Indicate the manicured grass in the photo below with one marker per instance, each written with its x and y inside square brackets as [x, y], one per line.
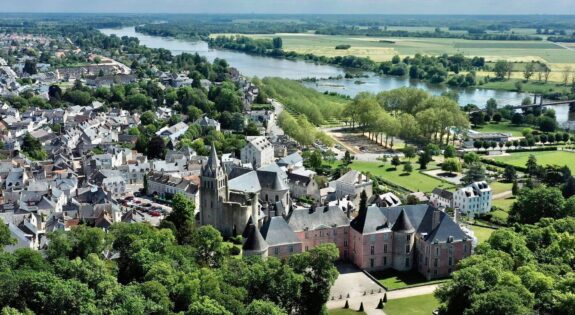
[543, 158]
[416, 305]
[498, 187]
[504, 204]
[503, 127]
[501, 215]
[415, 181]
[394, 280]
[482, 233]
[344, 312]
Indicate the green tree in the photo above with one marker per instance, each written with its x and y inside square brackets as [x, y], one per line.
[182, 216]
[451, 166]
[531, 165]
[5, 235]
[449, 152]
[259, 307]
[501, 68]
[409, 151]
[534, 204]
[156, 148]
[207, 306]
[475, 173]
[470, 158]
[277, 42]
[528, 70]
[407, 167]
[424, 159]
[395, 161]
[317, 267]
[510, 174]
[209, 246]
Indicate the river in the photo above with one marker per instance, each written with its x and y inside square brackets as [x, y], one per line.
[250, 66]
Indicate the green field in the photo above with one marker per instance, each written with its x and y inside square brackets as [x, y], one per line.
[498, 187]
[504, 204]
[482, 233]
[504, 127]
[543, 158]
[394, 280]
[415, 181]
[416, 305]
[373, 47]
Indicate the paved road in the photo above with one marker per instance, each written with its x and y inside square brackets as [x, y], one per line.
[278, 108]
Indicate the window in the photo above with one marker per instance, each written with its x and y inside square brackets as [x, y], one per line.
[450, 261]
[385, 260]
[371, 263]
[306, 248]
[437, 251]
[277, 198]
[449, 271]
[277, 251]
[426, 261]
[435, 261]
[385, 248]
[320, 233]
[408, 238]
[407, 262]
[435, 272]
[372, 238]
[291, 248]
[345, 243]
[385, 236]
[372, 250]
[407, 249]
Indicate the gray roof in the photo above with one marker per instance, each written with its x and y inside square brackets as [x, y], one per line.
[276, 231]
[419, 216]
[255, 241]
[291, 159]
[248, 183]
[402, 224]
[321, 217]
[445, 194]
[273, 177]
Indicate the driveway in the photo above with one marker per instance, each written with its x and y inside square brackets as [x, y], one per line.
[355, 283]
[409, 292]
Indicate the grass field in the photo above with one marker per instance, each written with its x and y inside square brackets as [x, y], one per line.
[417, 305]
[394, 280]
[530, 87]
[415, 181]
[504, 204]
[498, 187]
[504, 127]
[482, 233]
[383, 49]
[543, 158]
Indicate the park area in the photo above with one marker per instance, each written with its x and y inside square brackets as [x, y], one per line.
[543, 158]
[394, 280]
[414, 181]
[416, 305]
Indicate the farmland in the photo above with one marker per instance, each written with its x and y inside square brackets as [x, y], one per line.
[383, 49]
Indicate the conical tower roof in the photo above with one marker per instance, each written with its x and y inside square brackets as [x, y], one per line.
[212, 167]
[403, 224]
[255, 241]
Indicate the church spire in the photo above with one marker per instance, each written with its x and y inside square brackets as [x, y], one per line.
[212, 168]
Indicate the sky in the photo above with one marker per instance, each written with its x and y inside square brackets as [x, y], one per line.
[492, 7]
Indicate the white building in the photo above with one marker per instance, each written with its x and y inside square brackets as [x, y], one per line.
[352, 184]
[258, 152]
[473, 199]
[173, 132]
[441, 198]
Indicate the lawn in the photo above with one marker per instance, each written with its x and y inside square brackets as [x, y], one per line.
[344, 312]
[504, 204]
[482, 233]
[416, 305]
[415, 181]
[394, 280]
[498, 187]
[543, 158]
[503, 127]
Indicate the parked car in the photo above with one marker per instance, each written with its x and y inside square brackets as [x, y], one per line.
[155, 213]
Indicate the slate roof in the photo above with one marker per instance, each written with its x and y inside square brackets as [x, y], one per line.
[402, 224]
[321, 217]
[419, 216]
[291, 159]
[445, 194]
[276, 231]
[247, 182]
[273, 177]
[255, 241]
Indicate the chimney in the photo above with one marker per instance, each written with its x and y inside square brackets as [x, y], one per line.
[436, 219]
[255, 211]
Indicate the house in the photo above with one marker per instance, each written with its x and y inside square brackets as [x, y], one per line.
[302, 183]
[473, 199]
[258, 152]
[282, 241]
[441, 198]
[352, 184]
[320, 225]
[405, 238]
[387, 199]
[163, 184]
[173, 132]
[207, 123]
[292, 161]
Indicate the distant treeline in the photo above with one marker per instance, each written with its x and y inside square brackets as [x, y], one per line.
[429, 68]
